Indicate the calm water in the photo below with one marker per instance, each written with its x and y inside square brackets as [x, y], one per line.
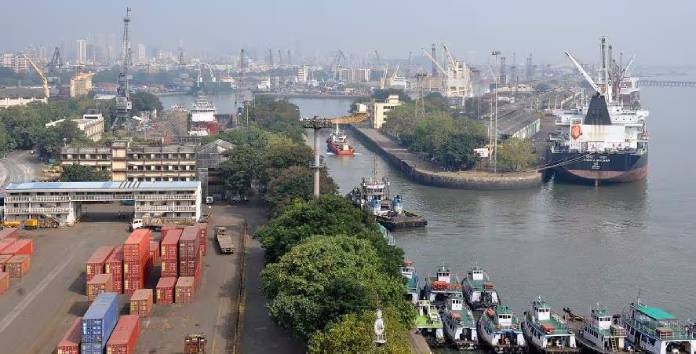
[574, 245]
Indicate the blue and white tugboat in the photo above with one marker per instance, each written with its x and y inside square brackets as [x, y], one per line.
[657, 331]
[408, 271]
[602, 334]
[479, 290]
[546, 332]
[460, 327]
[499, 329]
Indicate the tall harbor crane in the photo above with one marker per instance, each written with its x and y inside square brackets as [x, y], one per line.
[54, 66]
[44, 80]
[123, 102]
[456, 81]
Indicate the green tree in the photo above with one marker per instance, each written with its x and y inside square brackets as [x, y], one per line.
[354, 333]
[241, 169]
[6, 142]
[326, 277]
[145, 101]
[80, 173]
[516, 155]
[296, 182]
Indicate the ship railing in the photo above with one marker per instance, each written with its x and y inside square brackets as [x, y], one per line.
[678, 331]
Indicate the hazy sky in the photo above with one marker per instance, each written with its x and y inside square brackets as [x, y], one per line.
[658, 32]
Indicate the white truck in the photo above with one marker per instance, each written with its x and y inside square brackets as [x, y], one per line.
[156, 222]
[224, 240]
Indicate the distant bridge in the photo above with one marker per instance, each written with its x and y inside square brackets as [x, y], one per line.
[666, 83]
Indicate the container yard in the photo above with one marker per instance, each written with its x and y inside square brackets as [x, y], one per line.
[57, 289]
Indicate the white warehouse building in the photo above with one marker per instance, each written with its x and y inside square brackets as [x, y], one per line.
[179, 200]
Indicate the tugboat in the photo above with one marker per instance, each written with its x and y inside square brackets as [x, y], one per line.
[460, 327]
[602, 334]
[479, 290]
[429, 323]
[337, 143]
[499, 329]
[657, 331]
[546, 332]
[408, 271]
[441, 287]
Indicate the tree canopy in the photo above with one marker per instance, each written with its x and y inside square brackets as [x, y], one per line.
[80, 173]
[277, 115]
[145, 101]
[516, 155]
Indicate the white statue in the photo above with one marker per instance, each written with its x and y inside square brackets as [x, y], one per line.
[379, 329]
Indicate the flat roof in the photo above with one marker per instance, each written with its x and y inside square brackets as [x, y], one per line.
[102, 185]
[655, 313]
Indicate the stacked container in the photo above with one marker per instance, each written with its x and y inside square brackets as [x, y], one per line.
[114, 266]
[125, 336]
[165, 290]
[4, 282]
[189, 251]
[18, 265]
[9, 233]
[95, 264]
[100, 283]
[25, 247]
[169, 253]
[141, 302]
[70, 344]
[98, 323]
[4, 244]
[154, 253]
[203, 238]
[185, 290]
[136, 250]
[3, 259]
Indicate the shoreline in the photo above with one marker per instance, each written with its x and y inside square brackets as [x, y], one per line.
[306, 95]
[408, 163]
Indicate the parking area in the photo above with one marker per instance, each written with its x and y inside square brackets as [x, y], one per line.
[37, 309]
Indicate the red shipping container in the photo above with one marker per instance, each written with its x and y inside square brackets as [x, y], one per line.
[169, 268]
[154, 252]
[185, 290]
[4, 282]
[203, 237]
[6, 243]
[165, 290]
[3, 259]
[125, 336]
[70, 344]
[18, 265]
[20, 247]
[141, 302]
[95, 264]
[188, 244]
[114, 266]
[169, 248]
[100, 283]
[137, 245]
[9, 233]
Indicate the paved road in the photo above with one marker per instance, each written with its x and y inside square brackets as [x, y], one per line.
[19, 166]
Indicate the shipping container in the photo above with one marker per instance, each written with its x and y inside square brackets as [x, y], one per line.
[9, 233]
[154, 252]
[169, 247]
[96, 263]
[188, 244]
[70, 344]
[141, 302]
[114, 266]
[137, 245]
[100, 283]
[125, 336]
[6, 243]
[203, 238]
[185, 290]
[195, 344]
[92, 348]
[3, 259]
[165, 290]
[25, 247]
[170, 268]
[100, 319]
[4, 282]
[18, 265]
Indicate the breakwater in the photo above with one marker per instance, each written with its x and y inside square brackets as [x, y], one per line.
[424, 173]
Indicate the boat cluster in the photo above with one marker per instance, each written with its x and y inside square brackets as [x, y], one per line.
[468, 314]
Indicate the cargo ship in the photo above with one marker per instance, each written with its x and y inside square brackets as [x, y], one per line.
[202, 120]
[605, 141]
[337, 143]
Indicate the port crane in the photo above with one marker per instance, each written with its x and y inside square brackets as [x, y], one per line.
[44, 79]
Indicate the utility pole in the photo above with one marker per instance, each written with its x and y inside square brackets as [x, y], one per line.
[495, 54]
[316, 124]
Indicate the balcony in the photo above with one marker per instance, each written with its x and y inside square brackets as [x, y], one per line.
[165, 197]
[165, 208]
[24, 211]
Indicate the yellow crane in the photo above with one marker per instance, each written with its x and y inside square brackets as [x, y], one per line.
[39, 72]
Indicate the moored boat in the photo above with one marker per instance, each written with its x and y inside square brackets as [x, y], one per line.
[442, 286]
[479, 291]
[657, 331]
[337, 142]
[602, 333]
[546, 332]
[460, 327]
[429, 323]
[408, 271]
[499, 329]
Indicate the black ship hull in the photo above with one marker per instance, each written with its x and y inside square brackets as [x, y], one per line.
[599, 168]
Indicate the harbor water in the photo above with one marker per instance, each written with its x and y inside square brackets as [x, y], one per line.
[574, 245]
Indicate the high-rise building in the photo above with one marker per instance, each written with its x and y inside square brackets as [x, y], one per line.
[142, 54]
[82, 51]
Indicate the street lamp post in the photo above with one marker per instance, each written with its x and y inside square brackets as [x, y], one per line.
[495, 54]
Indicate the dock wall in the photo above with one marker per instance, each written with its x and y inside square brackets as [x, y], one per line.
[407, 163]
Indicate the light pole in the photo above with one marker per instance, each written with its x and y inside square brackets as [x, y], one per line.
[495, 54]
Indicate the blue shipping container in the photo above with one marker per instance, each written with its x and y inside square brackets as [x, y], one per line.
[100, 319]
[92, 348]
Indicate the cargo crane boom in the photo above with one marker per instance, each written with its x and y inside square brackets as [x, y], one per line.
[587, 77]
[39, 72]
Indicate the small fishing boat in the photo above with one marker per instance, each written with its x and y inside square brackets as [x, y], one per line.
[499, 329]
[460, 327]
[408, 271]
[429, 323]
[657, 331]
[479, 290]
[547, 332]
[601, 334]
[442, 286]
